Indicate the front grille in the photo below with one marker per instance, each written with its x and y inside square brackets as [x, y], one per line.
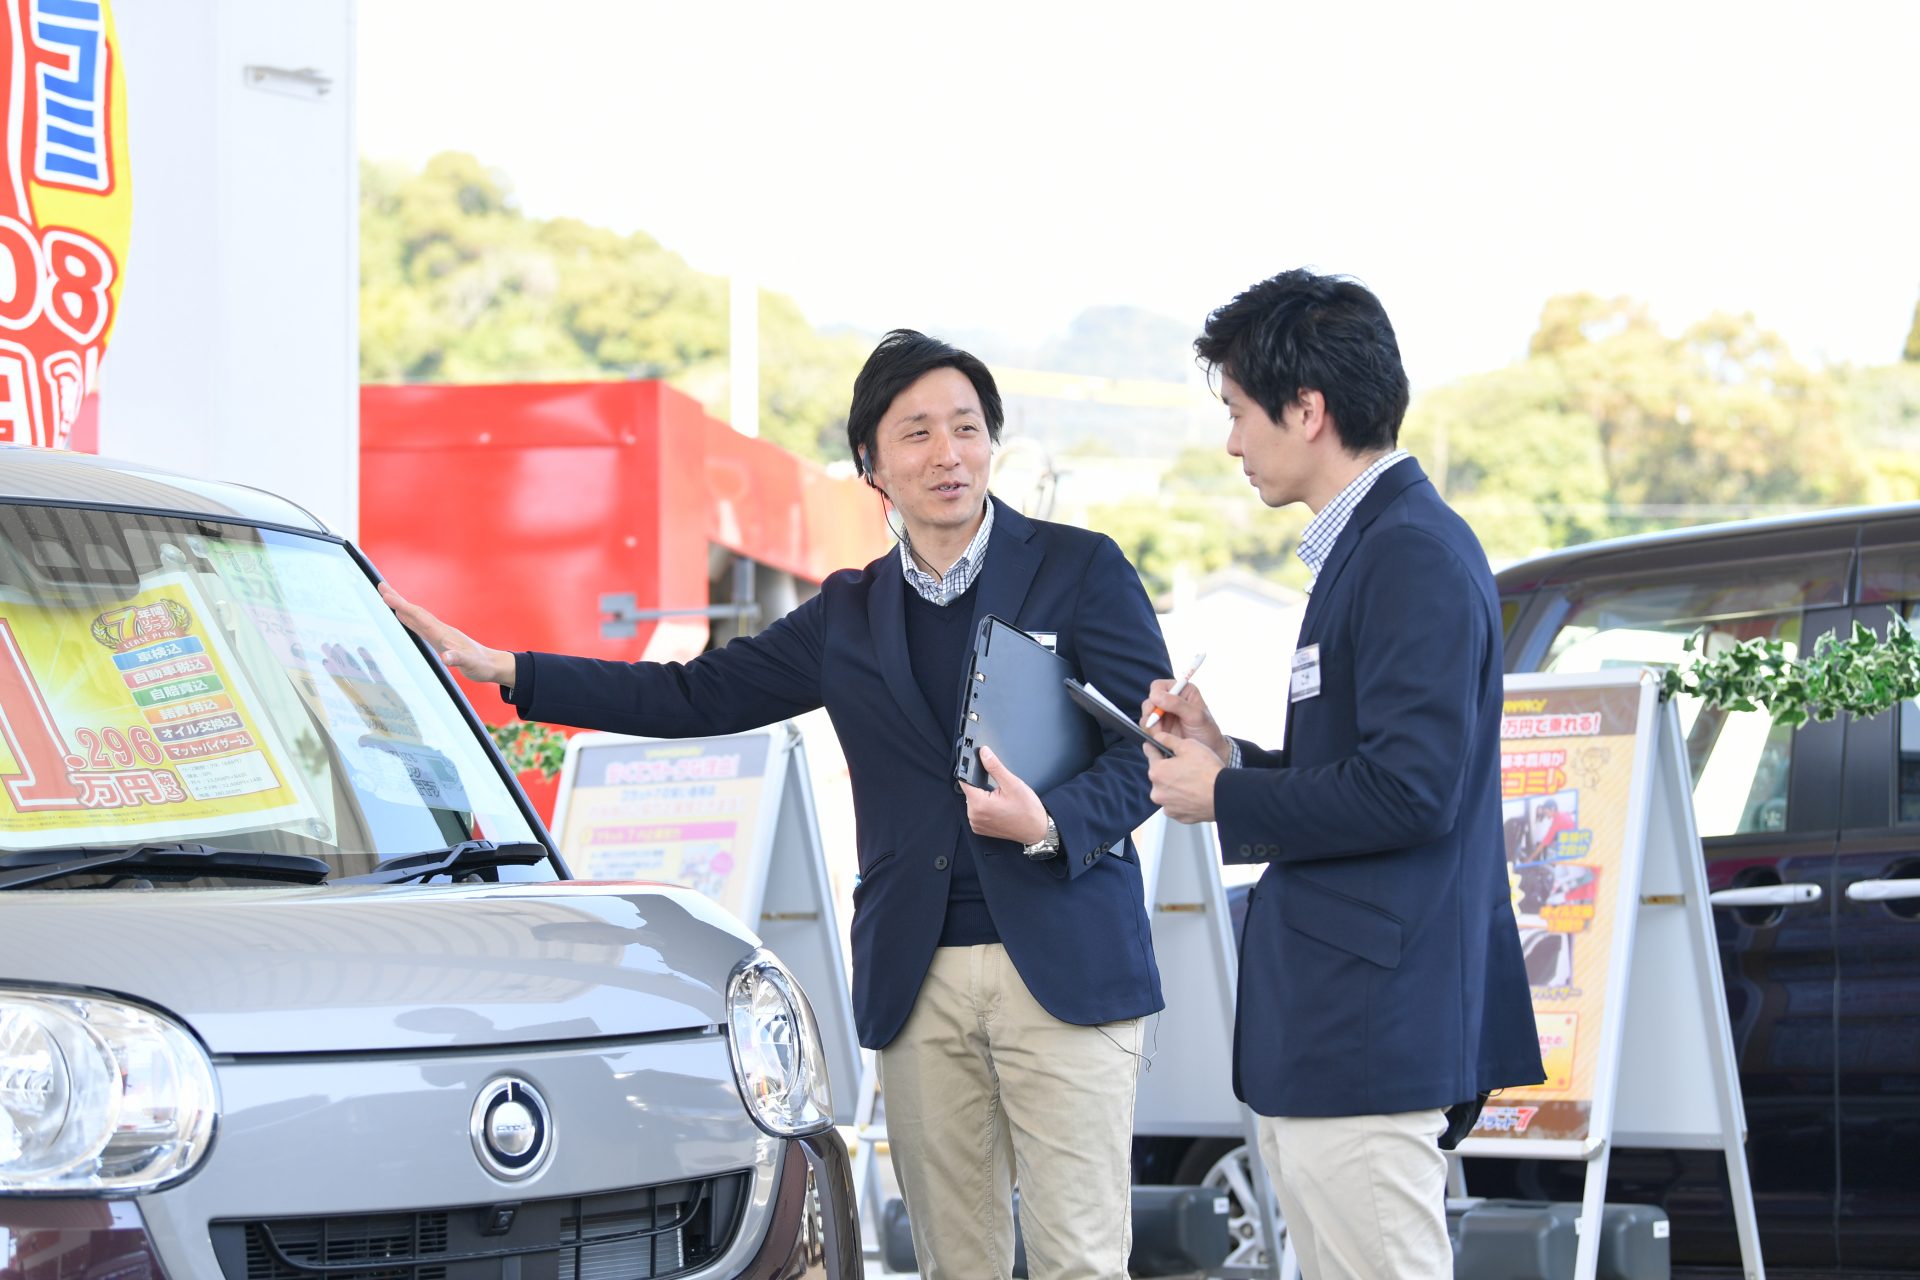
[647, 1233]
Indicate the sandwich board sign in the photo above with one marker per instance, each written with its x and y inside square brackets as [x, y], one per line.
[1610, 893]
[732, 817]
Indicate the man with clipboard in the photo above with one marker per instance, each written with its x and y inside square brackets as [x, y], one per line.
[1002, 958]
[1382, 990]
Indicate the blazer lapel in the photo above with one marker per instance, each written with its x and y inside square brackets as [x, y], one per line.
[1397, 479]
[1013, 557]
[887, 619]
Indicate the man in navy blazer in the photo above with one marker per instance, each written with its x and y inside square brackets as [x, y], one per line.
[1002, 959]
[1381, 979]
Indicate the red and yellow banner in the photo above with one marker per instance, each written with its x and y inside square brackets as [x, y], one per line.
[65, 210]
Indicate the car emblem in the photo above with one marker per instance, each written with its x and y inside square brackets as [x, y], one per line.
[511, 1131]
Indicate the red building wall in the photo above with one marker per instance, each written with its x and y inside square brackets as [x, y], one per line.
[509, 510]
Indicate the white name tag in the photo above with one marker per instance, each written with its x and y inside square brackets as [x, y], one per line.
[1049, 640]
[1306, 674]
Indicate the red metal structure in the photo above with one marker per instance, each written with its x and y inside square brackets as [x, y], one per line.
[510, 510]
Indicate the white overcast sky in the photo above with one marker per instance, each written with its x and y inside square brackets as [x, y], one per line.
[989, 166]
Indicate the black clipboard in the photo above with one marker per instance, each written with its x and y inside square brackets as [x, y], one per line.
[1016, 702]
[1110, 717]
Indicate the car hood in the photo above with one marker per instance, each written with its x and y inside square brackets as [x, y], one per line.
[327, 969]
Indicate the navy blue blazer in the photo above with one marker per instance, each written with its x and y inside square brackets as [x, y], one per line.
[1380, 969]
[1075, 926]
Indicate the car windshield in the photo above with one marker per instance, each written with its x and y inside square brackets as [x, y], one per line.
[171, 679]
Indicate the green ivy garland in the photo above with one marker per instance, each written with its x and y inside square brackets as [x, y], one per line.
[1862, 675]
[530, 748]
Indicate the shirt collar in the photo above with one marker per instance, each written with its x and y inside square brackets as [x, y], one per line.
[1317, 539]
[959, 579]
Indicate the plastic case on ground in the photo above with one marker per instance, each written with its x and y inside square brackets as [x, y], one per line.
[1538, 1240]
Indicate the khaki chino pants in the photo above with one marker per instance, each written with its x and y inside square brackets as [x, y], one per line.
[1365, 1197]
[986, 1089]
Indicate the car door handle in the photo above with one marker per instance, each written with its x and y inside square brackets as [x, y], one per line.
[1882, 890]
[1768, 895]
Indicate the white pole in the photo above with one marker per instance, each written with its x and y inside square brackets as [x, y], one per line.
[743, 352]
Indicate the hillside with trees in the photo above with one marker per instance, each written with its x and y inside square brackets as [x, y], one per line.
[1608, 425]
[458, 285]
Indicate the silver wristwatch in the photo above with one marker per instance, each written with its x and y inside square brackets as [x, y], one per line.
[1046, 846]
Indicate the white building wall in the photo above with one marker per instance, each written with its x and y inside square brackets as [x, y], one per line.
[235, 355]
[1248, 635]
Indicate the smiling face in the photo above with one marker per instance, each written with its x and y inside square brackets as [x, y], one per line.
[933, 456]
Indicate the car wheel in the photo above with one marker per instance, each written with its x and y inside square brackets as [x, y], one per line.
[1221, 1164]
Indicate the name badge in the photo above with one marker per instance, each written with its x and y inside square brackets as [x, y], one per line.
[1306, 674]
[1049, 640]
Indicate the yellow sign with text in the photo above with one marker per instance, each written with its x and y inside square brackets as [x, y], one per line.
[1566, 767]
[129, 722]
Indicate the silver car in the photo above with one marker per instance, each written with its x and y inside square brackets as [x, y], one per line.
[292, 980]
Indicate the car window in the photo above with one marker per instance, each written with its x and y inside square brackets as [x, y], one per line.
[185, 680]
[1740, 759]
[1890, 577]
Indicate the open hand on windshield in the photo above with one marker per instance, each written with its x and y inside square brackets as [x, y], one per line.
[456, 648]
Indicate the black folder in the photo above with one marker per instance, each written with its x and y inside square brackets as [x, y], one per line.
[1112, 718]
[1016, 702]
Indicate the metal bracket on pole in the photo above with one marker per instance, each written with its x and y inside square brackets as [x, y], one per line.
[621, 615]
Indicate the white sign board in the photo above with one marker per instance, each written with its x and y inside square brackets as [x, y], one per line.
[1610, 892]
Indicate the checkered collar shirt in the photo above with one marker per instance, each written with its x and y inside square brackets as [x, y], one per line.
[1316, 541]
[958, 579]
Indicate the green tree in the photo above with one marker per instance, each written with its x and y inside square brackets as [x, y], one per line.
[1206, 519]
[459, 285]
[1609, 426]
[1881, 405]
[1723, 416]
[806, 380]
[1525, 469]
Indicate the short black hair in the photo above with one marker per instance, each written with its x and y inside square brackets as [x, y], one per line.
[1299, 331]
[903, 357]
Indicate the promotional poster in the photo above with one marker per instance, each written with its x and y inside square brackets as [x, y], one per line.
[1566, 765]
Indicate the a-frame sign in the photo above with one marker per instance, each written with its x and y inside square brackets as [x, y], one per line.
[1611, 896]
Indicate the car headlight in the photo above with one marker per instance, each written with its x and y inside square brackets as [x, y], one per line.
[777, 1057]
[97, 1095]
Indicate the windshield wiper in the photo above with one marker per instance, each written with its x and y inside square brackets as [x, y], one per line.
[36, 866]
[468, 855]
